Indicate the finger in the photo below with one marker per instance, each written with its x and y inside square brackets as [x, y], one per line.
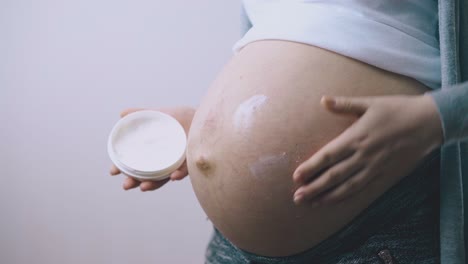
[129, 111]
[180, 173]
[334, 176]
[114, 170]
[350, 187]
[336, 150]
[130, 183]
[152, 185]
[350, 105]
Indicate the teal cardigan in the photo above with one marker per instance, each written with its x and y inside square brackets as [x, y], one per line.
[452, 103]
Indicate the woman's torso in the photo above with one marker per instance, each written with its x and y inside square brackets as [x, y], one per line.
[259, 120]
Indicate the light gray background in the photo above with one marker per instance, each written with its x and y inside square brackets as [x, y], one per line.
[67, 68]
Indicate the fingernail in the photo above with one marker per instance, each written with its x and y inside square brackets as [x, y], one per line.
[174, 175]
[296, 176]
[298, 197]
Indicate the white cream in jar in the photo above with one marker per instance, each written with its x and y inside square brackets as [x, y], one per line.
[147, 145]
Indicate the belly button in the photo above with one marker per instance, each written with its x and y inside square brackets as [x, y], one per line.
[203, 164]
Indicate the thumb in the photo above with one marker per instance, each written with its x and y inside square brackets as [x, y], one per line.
[345, 105]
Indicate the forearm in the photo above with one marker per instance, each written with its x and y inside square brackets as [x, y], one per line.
[187, 117]
[452, 107]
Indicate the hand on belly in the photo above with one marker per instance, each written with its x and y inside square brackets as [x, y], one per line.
[392, 134]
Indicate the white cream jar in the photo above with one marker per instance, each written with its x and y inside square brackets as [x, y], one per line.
[147, 145]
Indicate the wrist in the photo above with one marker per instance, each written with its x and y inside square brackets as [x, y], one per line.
[183, 114]
[432, 120]
[187, 114]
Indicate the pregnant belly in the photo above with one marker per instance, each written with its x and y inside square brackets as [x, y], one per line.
[258, 121]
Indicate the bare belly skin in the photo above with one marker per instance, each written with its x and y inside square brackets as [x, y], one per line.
[259, 120]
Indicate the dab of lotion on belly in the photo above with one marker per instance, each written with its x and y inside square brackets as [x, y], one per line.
[147, 145]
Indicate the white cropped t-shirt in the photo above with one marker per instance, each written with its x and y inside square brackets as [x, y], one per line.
[396, 35]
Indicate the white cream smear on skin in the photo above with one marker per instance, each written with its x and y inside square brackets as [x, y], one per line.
[149, 144]
[264, 167]
[243, 117]
[268, 164]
